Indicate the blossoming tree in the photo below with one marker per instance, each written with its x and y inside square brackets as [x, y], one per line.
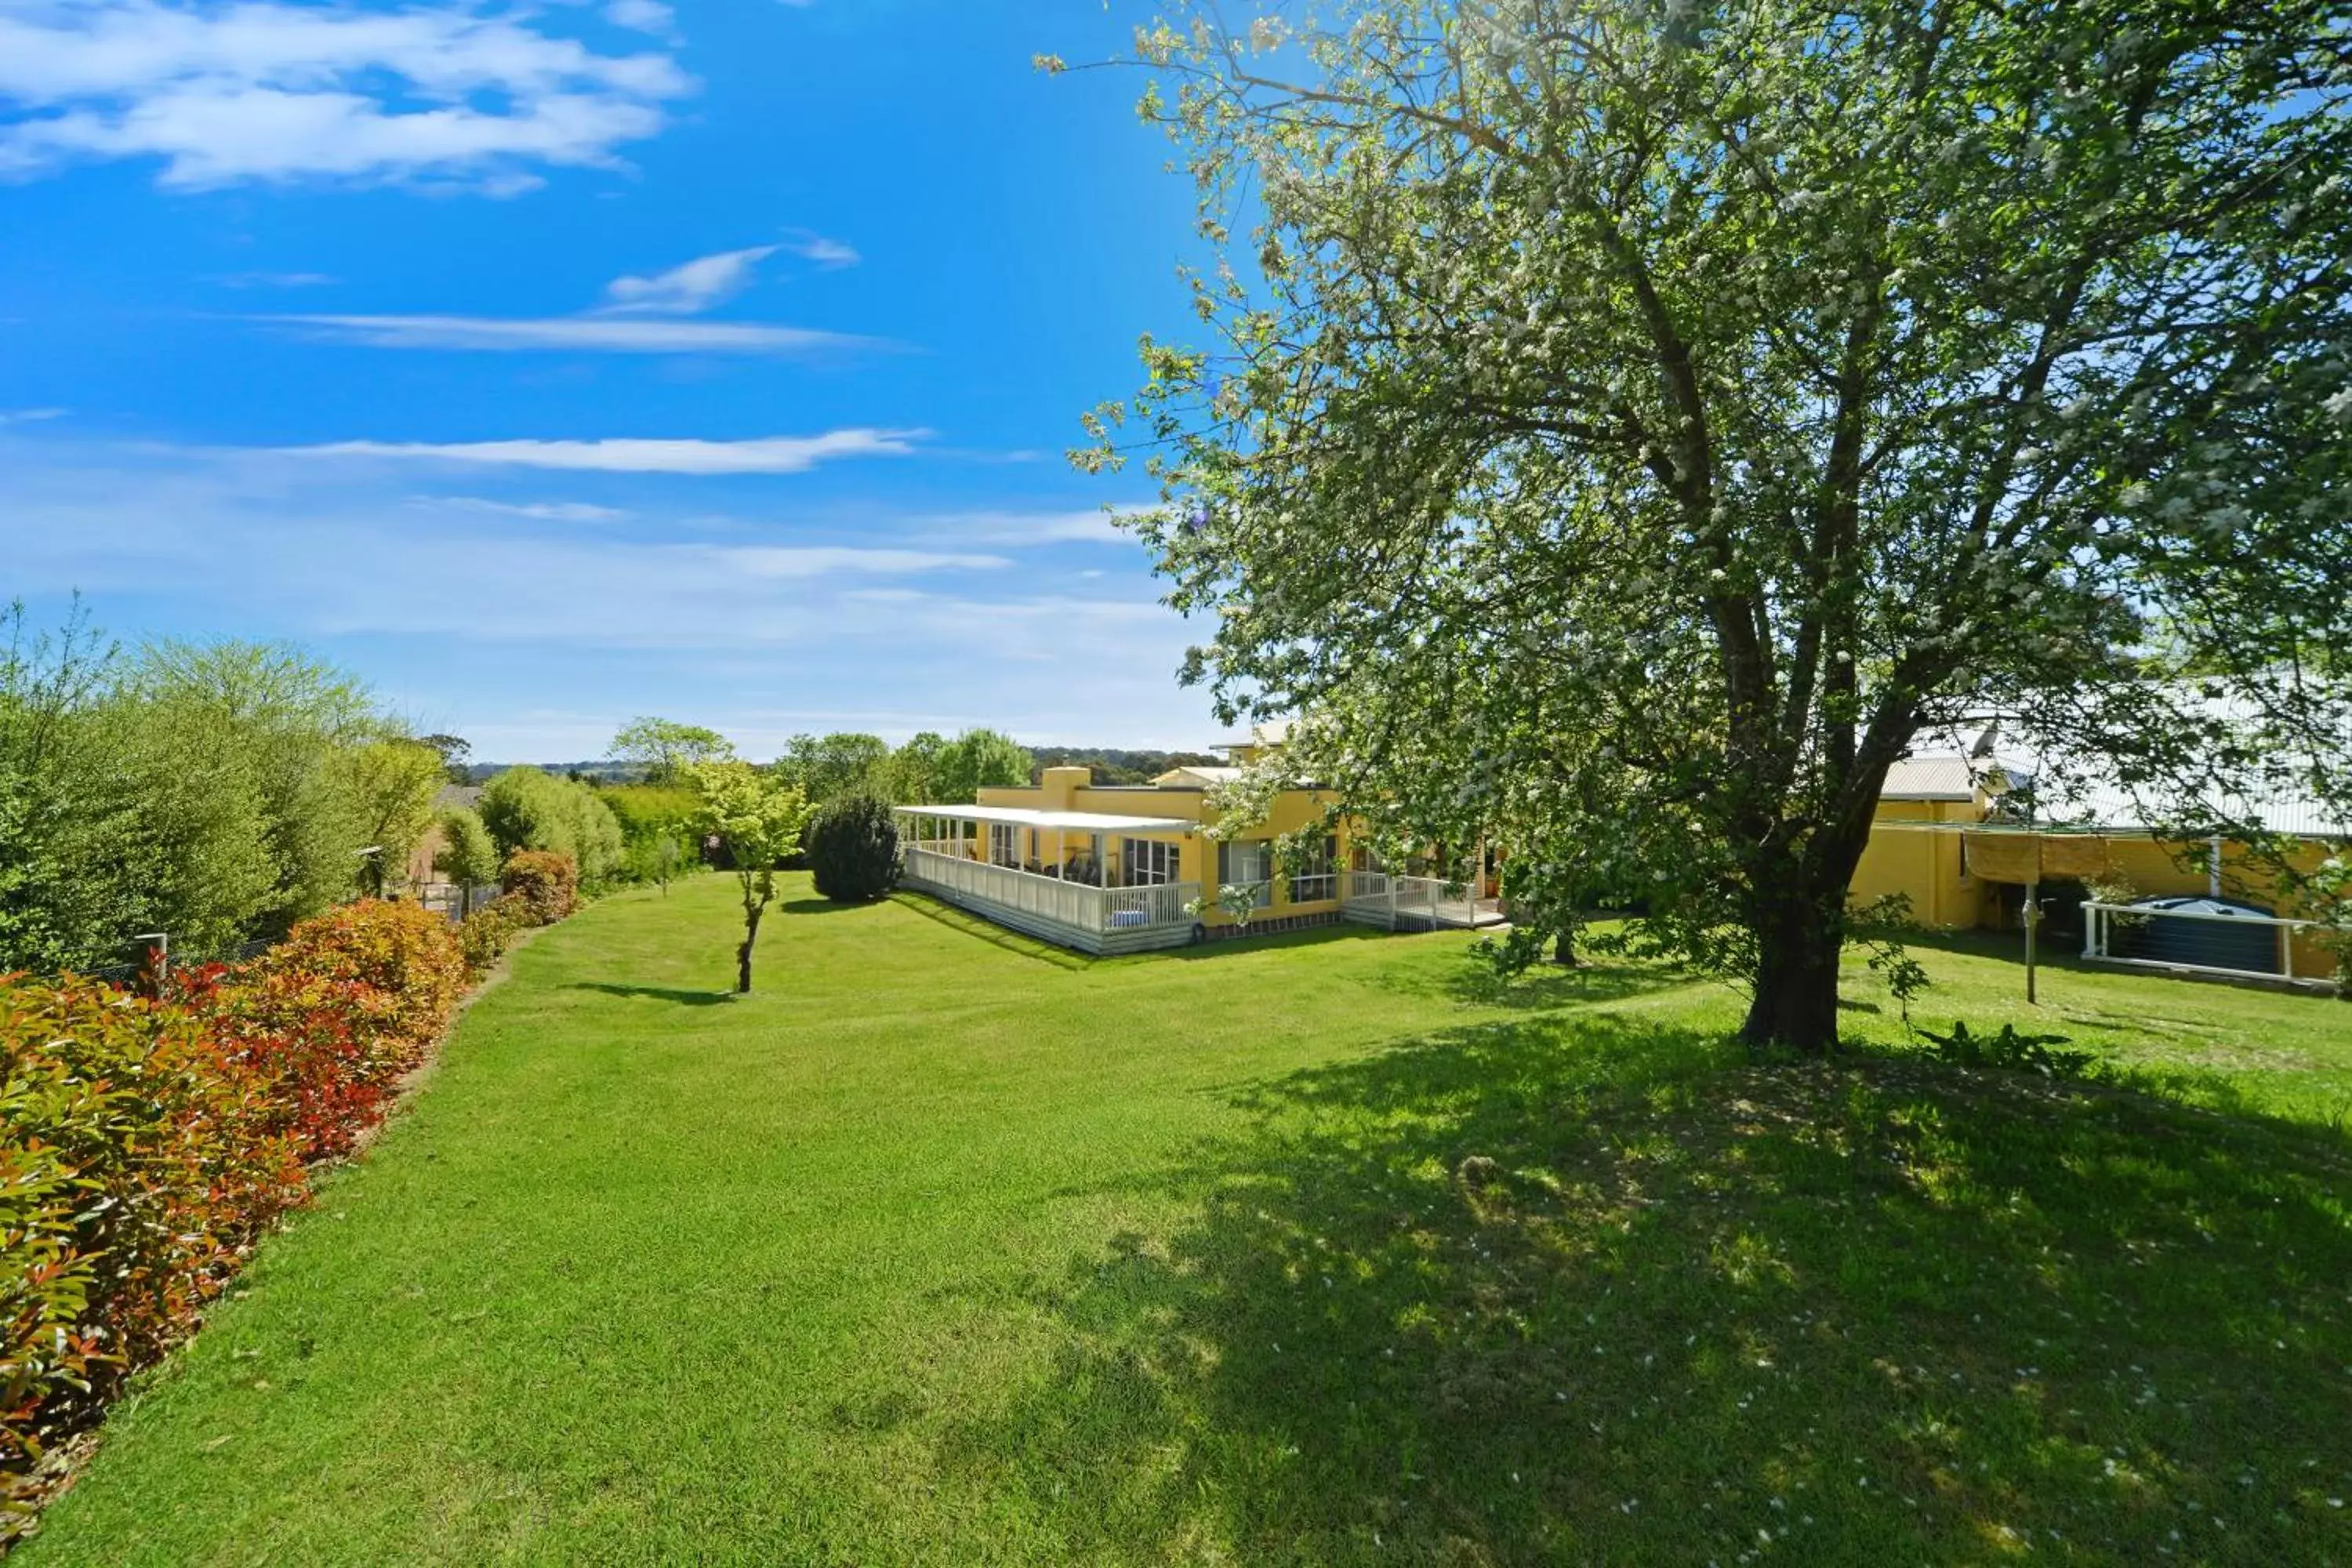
[1641, 421]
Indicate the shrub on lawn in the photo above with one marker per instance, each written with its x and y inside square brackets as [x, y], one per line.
[485, 935]
[546, 882]
[853, 849]
[141, 1155]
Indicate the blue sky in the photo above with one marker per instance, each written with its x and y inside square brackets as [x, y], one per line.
[551, 363]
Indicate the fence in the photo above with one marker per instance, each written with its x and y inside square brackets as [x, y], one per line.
[1416, 903]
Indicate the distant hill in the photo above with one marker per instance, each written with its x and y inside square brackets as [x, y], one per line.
[603, 771]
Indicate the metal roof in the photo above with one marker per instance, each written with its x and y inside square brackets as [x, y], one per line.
[1068, 821]
[1932, 778]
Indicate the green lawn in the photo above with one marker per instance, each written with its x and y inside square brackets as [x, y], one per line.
[946, 1249]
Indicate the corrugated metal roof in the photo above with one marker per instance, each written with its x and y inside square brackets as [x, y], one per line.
[1931, 778]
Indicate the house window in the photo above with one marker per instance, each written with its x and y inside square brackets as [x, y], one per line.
[1003, 844]
[1247, 864]
[1150, 863]
[1315, 879]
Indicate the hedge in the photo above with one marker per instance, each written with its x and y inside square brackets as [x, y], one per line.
[146, 1144]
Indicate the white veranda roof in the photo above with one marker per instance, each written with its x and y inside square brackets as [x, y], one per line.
[1067, 821]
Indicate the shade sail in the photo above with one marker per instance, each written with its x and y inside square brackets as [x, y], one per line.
[2022, 858]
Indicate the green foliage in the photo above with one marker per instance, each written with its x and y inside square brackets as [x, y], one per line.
[2008, 1050]
[469, 856]
[542, 886]
[758, 816]
[525, 808]
[978, 760]
[215, 793]
[291, 717]
[392, 785]
[827, 767]
[663, 748]
[853, 849]
[484, 936]
[1629, 427]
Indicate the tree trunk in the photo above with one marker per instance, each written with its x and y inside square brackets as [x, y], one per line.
[1563, 950]
[744, 953]
[1796, 1003]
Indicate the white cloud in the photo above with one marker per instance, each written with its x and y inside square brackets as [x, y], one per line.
[272, 90]
[830, 254]
[29, 415]
[764, 455]
[270, 280]
[537, 512]
[1096, 527]
[642, 16]
[598, 334]
[691, 289]
[772, 561]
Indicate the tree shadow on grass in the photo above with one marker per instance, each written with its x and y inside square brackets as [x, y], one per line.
[1580, 1290]
[683, 997]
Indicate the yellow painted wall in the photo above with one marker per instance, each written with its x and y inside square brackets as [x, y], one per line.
[1921, 861]
[1072, 789]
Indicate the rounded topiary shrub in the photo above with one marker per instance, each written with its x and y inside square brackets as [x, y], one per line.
[853, 848]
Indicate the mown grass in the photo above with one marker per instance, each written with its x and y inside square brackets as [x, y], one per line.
[945, 1248]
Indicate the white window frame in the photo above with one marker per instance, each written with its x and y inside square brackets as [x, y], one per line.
[1005, 845]
[1150, 862]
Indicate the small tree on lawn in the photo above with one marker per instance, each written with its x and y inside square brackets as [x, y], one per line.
[759, 817]
[853, 849]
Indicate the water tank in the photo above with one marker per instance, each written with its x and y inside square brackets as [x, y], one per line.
[2216, 943]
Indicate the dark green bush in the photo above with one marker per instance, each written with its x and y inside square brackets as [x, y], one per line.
[853, 848]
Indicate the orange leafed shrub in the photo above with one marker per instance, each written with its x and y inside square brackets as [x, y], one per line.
[405, 956]
[546, 881]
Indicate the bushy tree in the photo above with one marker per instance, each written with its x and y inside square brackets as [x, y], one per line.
[291, 716]
[853, 849]
[910, 775]
[393, 784]
[469, 856]
[665, 748]
[1756, 386]
[758, 816]
[827, 767]
[978, 760]
[526, 808]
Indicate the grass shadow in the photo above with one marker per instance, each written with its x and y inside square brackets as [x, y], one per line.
[988, 931]
[682, 996]
[1581, 1289]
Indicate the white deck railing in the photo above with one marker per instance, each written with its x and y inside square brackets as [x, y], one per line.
[2100, 931]
[1385, 899]
[1050, 898]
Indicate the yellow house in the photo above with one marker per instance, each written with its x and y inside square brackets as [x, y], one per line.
[1127, 868]
[1937, 842]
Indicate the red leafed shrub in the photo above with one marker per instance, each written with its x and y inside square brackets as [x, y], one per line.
[405, 958]
[546, 881]
[142, 1157]
[309, 1039]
